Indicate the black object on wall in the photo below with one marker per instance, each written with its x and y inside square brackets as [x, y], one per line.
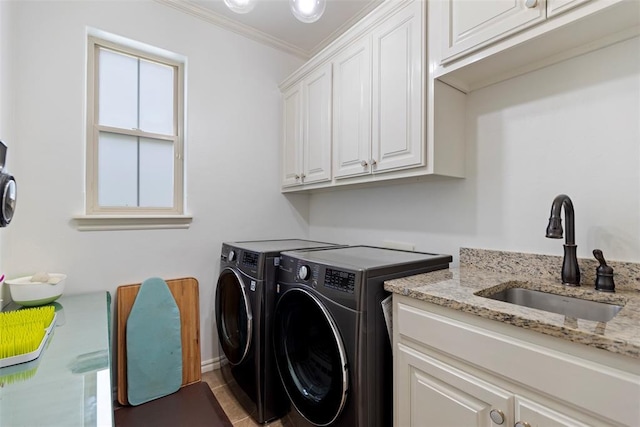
[8, 190]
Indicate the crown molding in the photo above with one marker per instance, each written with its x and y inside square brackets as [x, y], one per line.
[344, 28]
[236, 27]
[363, 27]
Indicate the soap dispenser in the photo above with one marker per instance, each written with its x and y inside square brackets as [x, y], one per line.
[604, 274]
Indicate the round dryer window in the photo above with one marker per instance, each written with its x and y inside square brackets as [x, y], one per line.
[9, 198]
[310, 357]
[233, 316]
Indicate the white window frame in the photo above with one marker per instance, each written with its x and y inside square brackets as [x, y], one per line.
[100, 217]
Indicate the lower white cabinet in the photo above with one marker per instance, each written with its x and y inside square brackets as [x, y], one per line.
[454, 369]
[529, 412]
[442, 395]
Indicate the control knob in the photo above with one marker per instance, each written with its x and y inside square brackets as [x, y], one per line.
[304, 272]
[232, 255]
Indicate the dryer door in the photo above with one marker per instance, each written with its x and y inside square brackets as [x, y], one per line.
[310, 356]
[233, 316]
[8, 203]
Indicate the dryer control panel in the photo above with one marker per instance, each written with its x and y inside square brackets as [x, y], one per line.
[340, 280]
[341, 285]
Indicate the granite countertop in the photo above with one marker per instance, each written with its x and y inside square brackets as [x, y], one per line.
[485, 272]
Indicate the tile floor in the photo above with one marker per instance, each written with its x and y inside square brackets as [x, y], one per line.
[236, 413]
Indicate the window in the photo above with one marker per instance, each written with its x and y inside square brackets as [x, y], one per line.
[134, 132]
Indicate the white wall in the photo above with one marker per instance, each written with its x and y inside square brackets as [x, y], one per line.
[571, 128]
[6, 94]
[233, 126]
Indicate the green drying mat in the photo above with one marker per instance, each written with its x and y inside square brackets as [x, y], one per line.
[154, 346]
[32, 355]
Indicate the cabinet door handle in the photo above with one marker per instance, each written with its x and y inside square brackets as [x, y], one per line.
[522, 424]
[297, 177]
[497, 416]
[364, 163]
[302, 176]
[373, 162]
[530, 4]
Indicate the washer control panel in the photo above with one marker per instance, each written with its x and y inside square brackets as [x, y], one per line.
[249, 262]
[250, 259]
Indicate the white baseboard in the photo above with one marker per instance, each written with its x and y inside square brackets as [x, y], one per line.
[206, 366]
[213, 364]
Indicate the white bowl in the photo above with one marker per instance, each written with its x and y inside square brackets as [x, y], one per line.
[28, 293]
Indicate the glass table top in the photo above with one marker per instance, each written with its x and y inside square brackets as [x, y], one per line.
[69, 384]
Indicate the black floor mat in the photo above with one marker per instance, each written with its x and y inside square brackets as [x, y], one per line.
[191, 406]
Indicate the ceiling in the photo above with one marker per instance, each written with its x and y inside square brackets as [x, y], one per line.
[271, 22]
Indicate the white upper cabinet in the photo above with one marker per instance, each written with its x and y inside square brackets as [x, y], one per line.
[485, 42]
[472, 24]
[398, 90]
[306, 142]
[317, 126]
[555, 7]
[292, 136]
[378, 98]
[352, 110]
[365, 108]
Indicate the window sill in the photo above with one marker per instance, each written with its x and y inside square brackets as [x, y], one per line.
[131, 222]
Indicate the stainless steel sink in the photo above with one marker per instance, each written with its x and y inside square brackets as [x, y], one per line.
[569, 306]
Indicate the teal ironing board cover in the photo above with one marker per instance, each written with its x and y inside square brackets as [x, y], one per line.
[154, 347]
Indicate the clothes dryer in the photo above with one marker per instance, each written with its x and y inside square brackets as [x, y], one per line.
[244, 306]
[332, 348]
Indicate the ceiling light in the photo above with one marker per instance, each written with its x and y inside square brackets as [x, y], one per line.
[307, 11]
[240, 6]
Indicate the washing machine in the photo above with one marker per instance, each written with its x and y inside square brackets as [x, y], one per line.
[244, 304]
[331, 343]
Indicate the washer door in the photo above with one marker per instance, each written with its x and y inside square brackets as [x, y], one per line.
[9, 197]
[310, 357]
[233, 316]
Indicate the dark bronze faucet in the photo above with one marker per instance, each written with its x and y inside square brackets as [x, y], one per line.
[604, 274]
[570, 269]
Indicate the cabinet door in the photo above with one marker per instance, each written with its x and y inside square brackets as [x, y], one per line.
[398, 90]
[317, 126]
[537, 415]
[436, 394]
[471, 24]
[555, 7]
[291, 167]
[352, 110]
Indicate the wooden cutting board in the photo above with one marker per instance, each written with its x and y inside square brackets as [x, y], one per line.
[185, 292]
